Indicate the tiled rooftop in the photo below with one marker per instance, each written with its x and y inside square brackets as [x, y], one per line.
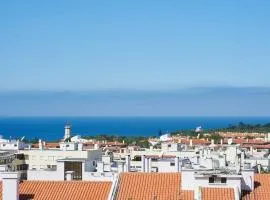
[196, 142]
[135, 186]
[217, 194]
[48, 145]
[149, 186]
[55, 190]
[261, 188]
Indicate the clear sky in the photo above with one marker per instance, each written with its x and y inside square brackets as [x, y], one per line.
[135, 57]
[86, 45]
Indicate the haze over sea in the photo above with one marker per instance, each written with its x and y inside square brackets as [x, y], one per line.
[52, 128]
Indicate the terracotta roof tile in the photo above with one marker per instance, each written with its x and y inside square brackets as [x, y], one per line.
[266, 146]
[196, 142]
[48, 145]
[149, 186]
[55, 190]
[245, 141]
[217, 194]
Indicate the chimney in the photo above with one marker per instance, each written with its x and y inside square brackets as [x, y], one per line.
[149, 164]
[242, 158]
[198, 160]
[96, 146]
[143, 163]
[10, 187]
[69, 175]
[176, 164]
[18, 144]
[197, 193]
[221, 141]
[40, 145]
[127, 163]
[190, 143]
[201, 152]
[212, 142]
[100, 166]
[80, 146]
[120, 166]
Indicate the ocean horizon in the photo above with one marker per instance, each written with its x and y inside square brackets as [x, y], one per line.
[52, 128]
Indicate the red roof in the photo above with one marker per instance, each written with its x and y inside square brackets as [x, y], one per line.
[56, 190]
[217, 194]
[196, 142]
[266, 146]
[149, 186]
[246, 141]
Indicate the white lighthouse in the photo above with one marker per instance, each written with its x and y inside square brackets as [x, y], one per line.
[67, 131]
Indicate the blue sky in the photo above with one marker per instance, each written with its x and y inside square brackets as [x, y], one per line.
[81, 45]
[132, 46]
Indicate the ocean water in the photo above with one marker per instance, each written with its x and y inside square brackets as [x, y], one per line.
[52, 128]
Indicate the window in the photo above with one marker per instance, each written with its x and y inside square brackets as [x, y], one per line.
[218, 180]
[15, 145]
[137, 158]
[169, 145]
[4, 145]
[211, 179]
[76, 167]
[19, 156]
[223, 180]
[172, 164]
[67, 145]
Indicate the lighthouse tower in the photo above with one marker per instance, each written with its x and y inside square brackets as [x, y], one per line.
[67, 131]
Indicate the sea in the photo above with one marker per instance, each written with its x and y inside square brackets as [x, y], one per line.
[52, 128]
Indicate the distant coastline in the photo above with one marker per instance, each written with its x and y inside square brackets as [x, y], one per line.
[52, 128]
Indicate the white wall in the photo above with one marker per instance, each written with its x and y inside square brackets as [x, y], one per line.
[96, 176]
[49, 175]
[68, 146]
[10, 186]
[187, 179]
[44, 175]
[39, 159]
[232, 182]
